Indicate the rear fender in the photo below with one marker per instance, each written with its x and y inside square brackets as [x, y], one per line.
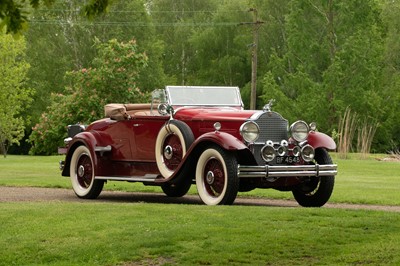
[321, 140]
[85, 138]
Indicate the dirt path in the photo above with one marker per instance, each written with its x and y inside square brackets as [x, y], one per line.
[32, 194]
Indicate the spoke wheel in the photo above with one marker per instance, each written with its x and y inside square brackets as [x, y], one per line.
[173, 141]
[216, 176]
[173, 151]
[316, 191]
[82, 174]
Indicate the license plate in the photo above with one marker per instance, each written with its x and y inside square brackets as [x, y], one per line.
[287, 159]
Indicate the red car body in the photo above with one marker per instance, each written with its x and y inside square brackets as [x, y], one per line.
[175, 145]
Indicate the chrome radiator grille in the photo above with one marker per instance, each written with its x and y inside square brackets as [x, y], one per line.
[272, 127]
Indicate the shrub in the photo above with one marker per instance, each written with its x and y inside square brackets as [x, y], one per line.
[111, 77]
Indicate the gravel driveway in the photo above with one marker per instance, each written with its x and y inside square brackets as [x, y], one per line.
[32, 194]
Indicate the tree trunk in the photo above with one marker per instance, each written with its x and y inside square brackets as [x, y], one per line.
[3, 148]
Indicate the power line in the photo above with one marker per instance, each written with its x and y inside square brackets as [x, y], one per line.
[133, 24]
[143, 12]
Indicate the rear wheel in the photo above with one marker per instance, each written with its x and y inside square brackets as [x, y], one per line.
[177, 190]
[316, 191]
[216, 176]
[82, 174]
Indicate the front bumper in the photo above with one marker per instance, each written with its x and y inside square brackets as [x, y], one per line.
[266, 171]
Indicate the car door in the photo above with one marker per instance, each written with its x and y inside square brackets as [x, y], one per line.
[145, 130]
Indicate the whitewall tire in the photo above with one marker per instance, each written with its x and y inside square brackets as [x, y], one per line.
[217, 181]
[82, 174]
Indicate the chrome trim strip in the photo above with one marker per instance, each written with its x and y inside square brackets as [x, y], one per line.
[146, 178]
[246, 171]
[102, 149]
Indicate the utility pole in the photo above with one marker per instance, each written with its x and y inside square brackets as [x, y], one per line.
[256, 26]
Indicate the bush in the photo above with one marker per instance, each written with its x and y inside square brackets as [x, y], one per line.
[111, 78]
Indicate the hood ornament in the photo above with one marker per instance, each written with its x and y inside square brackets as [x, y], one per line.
[268, 106]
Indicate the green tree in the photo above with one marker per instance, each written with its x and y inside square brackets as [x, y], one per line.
[62, 33]
[391, 78]
[14, 13]
[14, 96]
[175, 21]
[111, 77]
[221, 54]
[331, 59]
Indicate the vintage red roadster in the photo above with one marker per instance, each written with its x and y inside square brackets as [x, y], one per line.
[203, 136]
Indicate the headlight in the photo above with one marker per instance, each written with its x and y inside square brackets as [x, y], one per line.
[299, 130]
[250, 131]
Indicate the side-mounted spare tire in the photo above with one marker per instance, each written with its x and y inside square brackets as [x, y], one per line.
[173, 141]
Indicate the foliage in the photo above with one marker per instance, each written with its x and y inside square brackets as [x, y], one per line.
[325, 64]
[220, 54]
[177, 22]
[317, 57]
[62, 33]
[14, 96]
[391, 82]
[14, 13]
[111, 77]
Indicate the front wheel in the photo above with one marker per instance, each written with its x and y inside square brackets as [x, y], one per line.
[82, 174]
[216, 176]
[317, 191]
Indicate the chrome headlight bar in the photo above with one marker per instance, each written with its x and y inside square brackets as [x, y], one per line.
[269, 151]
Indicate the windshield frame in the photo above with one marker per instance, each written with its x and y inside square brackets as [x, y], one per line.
[192, 97]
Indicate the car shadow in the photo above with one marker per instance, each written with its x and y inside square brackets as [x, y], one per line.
[140, 197]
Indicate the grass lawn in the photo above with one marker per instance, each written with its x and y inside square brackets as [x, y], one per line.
[93, 233]
[98, 233]
[368, 181]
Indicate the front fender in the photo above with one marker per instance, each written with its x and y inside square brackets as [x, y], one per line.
[83, 138]
[321, 140]
[225, 140]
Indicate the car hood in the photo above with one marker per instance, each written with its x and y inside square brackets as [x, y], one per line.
[213, 113]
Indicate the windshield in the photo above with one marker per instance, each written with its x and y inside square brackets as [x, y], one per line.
[204, 96]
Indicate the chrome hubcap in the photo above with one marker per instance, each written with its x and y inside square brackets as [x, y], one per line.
[168, 152]
[210, 177]
[81, 170]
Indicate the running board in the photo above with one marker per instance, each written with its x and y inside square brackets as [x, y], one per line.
[146, 178]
